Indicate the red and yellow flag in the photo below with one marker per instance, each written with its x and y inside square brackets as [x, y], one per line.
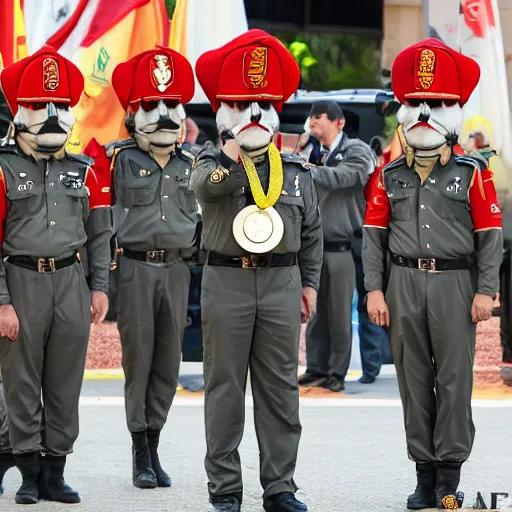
[115, 35]
[13, 41]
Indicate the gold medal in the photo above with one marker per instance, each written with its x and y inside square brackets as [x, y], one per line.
[258, 231]
[259, 228]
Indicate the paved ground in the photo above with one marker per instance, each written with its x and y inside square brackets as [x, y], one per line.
[352, 455]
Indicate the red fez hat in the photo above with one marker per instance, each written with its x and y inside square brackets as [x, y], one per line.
[157, 74]
[42, 77]
[254, 66]
[431, 70]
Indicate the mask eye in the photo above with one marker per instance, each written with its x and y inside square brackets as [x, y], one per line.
[34, 106]
[147, 106]
[242, 105]
[449, 103]
[171, 103]
[230, 104]
[62, 106]
[264, 105]
[414, 102]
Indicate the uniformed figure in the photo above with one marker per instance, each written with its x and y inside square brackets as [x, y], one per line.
[435, 212]
[340, 183]
[151, 182]
[50, 207]
[262, 234]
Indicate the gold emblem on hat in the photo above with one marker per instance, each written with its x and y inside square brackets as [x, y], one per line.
[51, 78]
[255, 68]
[426, 69]
[162, 73]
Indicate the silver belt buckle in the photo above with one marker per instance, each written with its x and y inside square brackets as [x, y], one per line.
[427, 264]
[155, 256]
[46, 265]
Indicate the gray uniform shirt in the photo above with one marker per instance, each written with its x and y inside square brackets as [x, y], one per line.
[161, 211]
[340, 185]
[432, 220]
[48, 214]
[298, 207]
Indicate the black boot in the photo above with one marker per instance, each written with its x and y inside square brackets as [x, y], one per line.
[448, 478]
[6, 462]
[425, 494]
[226, 504]
[162, 478]
[143, 475]
[52, 486]
[29, 466]
[283, 502]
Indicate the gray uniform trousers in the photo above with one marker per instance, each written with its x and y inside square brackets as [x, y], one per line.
[251, 319]
[5, 447]
[433, 343]
[152, 303]
[48, 358]
[329, 332]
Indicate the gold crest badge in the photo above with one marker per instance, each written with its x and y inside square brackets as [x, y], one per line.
[450, 502]
[255, 68]
[217, 176]
[51, 79]
[161, 72]
[426, 67]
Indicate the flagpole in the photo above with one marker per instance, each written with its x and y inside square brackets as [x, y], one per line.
[426, 17]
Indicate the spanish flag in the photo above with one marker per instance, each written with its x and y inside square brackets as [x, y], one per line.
[115, 34]
[13, 41]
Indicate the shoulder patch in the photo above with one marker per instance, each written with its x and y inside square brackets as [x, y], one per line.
[83, 159]
[394, 164]
[111, 147]
[472, 161]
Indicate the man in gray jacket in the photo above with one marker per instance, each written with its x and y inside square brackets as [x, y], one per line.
[340, 183]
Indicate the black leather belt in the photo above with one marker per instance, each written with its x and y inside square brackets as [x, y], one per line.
[252, 261]
[156, 256]
[337, 246]
[45, 265]
[432, 264]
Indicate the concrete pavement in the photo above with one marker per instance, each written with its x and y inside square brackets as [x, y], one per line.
[352, 455]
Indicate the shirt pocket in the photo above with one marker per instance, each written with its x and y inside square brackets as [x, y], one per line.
[78, 201]
[291, 210]
[185, 197]
[401, 203]
[140, 191]
[455, 207]
[24, 203]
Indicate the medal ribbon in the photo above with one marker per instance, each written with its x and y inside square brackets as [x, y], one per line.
[275, 180]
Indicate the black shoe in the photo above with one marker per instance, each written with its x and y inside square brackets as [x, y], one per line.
[225, 504]
[162, 478]
[425, 494]
[447, 481]
[312, 379]
[283, 502]
[366, 379]
[52, 486]
[334, 383]
[6, 462]
[143, 475]
[29, 465]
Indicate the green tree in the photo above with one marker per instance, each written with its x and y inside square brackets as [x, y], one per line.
[335, 61]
